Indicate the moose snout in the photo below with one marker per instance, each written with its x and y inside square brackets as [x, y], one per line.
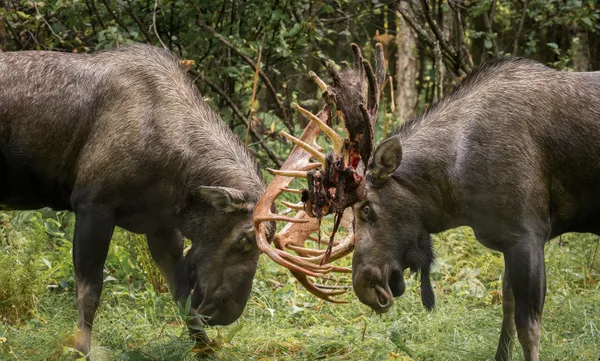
[372, 287]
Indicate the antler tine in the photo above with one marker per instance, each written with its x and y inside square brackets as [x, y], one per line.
[336, 139]
[320, 157]
[337, 78]
[318, 80]
[289, 173]
[319, 292]
[277, 217]
[324, 241]
[357, 58]
[343, 249]
[297, 207]
[304, 252]
[345, 65]
[299, 173]
[291, 190]
[339, 251]
[379, 65]
[303, 263]
[275, 254]
[374, 90]
[292, 236]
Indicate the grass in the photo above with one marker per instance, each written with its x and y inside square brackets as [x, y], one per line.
[284, 322]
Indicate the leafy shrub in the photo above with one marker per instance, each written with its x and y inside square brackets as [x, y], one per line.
[21, 271]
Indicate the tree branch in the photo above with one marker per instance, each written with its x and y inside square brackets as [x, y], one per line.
[427, 38]
[94, 11]
[138, 22]
[107, 5]
[15, 35]
[241, 116]
[520, 29]
[463, 49]
[439, 86]
[154, 24]
[2, 29]
[436, 30]
[263, 76]
[449, 49]
[488, 20]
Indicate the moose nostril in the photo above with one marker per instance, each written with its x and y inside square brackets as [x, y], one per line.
[396, 283]
[383, 298]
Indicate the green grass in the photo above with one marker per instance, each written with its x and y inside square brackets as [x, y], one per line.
[284, 322]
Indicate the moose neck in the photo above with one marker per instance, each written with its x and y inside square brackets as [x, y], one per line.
[222, 160]
[426, 170]
[202, 148]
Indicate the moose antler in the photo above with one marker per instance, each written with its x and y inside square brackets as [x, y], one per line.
[334, 179]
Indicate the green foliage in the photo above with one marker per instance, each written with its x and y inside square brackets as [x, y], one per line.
[20, 266]
[283, 322]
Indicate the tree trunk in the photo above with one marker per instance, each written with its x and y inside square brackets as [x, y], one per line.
[407, 69]
[2, 30]
[581, 56]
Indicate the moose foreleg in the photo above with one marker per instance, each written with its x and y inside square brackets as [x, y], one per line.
[507, 335]
[525, 265]
[166, 248]
[94, 227]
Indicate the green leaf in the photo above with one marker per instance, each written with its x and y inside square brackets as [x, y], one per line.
[487, 43]
[587, 22]
[196, 327]
[397, 340]
[232, 332]
[188, 305]
[552, 45]
[345, 33]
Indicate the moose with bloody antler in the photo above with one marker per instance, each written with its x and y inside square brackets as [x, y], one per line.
[513, 152]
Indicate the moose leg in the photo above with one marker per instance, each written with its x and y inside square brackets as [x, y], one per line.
[166, 248]
[94, 227]
[507, 335]
[526, 269]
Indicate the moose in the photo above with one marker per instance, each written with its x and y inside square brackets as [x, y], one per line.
[123, 138]
[513, 151]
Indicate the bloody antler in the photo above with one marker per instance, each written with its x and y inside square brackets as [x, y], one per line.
[333, 179]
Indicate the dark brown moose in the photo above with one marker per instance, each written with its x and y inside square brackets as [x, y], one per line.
[513, 152]
[123, 138]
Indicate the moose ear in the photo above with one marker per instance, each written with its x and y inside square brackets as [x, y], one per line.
[224, 198]
[386, 159]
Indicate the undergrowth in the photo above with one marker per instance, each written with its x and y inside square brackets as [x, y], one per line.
[138, 321]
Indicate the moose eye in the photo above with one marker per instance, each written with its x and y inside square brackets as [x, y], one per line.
[367, 213]
[245, 244]
[366, 210]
